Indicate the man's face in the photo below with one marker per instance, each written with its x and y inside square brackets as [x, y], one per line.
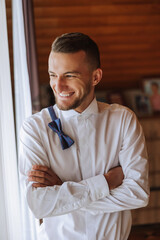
[71, 80]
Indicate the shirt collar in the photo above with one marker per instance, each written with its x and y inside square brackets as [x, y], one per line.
[91, 109]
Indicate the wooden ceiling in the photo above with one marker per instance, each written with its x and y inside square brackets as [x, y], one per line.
[127, 32]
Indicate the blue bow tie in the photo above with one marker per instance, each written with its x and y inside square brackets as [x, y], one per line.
[55, 125]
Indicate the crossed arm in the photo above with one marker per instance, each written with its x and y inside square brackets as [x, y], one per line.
[43, 176]
[92, 194]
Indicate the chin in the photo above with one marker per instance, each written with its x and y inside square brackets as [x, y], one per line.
[63, 106]
[69, 106]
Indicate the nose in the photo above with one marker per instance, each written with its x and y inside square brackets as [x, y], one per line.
[59, 83]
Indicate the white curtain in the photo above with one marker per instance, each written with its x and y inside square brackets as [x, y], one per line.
[23, 105]
[10, 216]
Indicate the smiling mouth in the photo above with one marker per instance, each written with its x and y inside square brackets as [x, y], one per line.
[66, 95]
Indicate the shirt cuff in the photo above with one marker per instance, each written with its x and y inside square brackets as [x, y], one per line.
[98, 187]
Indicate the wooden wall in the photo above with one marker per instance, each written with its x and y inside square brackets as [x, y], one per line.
[127, 32]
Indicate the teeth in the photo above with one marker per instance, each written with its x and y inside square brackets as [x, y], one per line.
[64, 94]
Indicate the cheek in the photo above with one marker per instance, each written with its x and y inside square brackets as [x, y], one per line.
[51, 82]
[85, 87]
[80, 85]
[80, 89]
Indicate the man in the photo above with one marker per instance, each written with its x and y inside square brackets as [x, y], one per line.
[87, 190]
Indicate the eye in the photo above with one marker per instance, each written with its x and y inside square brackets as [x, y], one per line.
[52, 75]
[70, 76]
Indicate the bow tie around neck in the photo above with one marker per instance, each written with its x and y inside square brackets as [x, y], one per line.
[55, 125]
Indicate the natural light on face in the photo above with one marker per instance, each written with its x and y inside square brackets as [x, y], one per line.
[70, 80]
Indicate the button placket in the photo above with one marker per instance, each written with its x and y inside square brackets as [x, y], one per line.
[84, 148]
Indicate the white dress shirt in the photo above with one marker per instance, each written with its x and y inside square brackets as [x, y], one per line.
[83, 208]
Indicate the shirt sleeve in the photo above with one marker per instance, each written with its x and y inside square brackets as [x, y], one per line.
[56, 200]
[134, 191]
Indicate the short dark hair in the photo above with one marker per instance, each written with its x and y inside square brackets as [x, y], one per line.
[76, 41]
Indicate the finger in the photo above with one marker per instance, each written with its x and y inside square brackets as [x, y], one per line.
[38, 174]
[40, 167]
[52, 179]
[44, 169]
[36, 185]
[39, 180]
[55, 180]
[47, 173]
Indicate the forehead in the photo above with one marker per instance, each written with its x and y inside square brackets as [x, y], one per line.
[67, 61]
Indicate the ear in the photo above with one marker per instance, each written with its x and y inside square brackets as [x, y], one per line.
[97, 76]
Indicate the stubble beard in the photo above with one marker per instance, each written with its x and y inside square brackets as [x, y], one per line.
[77, 102]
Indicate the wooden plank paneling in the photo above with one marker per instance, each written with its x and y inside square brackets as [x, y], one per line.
[101, 30]
[100, 10]
[96, 21]
[127, 32]
[64, 3]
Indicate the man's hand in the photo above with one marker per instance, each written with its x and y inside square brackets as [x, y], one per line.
[43, 176]
[114, 177]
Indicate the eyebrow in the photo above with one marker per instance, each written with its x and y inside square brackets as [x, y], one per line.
[73, 72]
[50, 72]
